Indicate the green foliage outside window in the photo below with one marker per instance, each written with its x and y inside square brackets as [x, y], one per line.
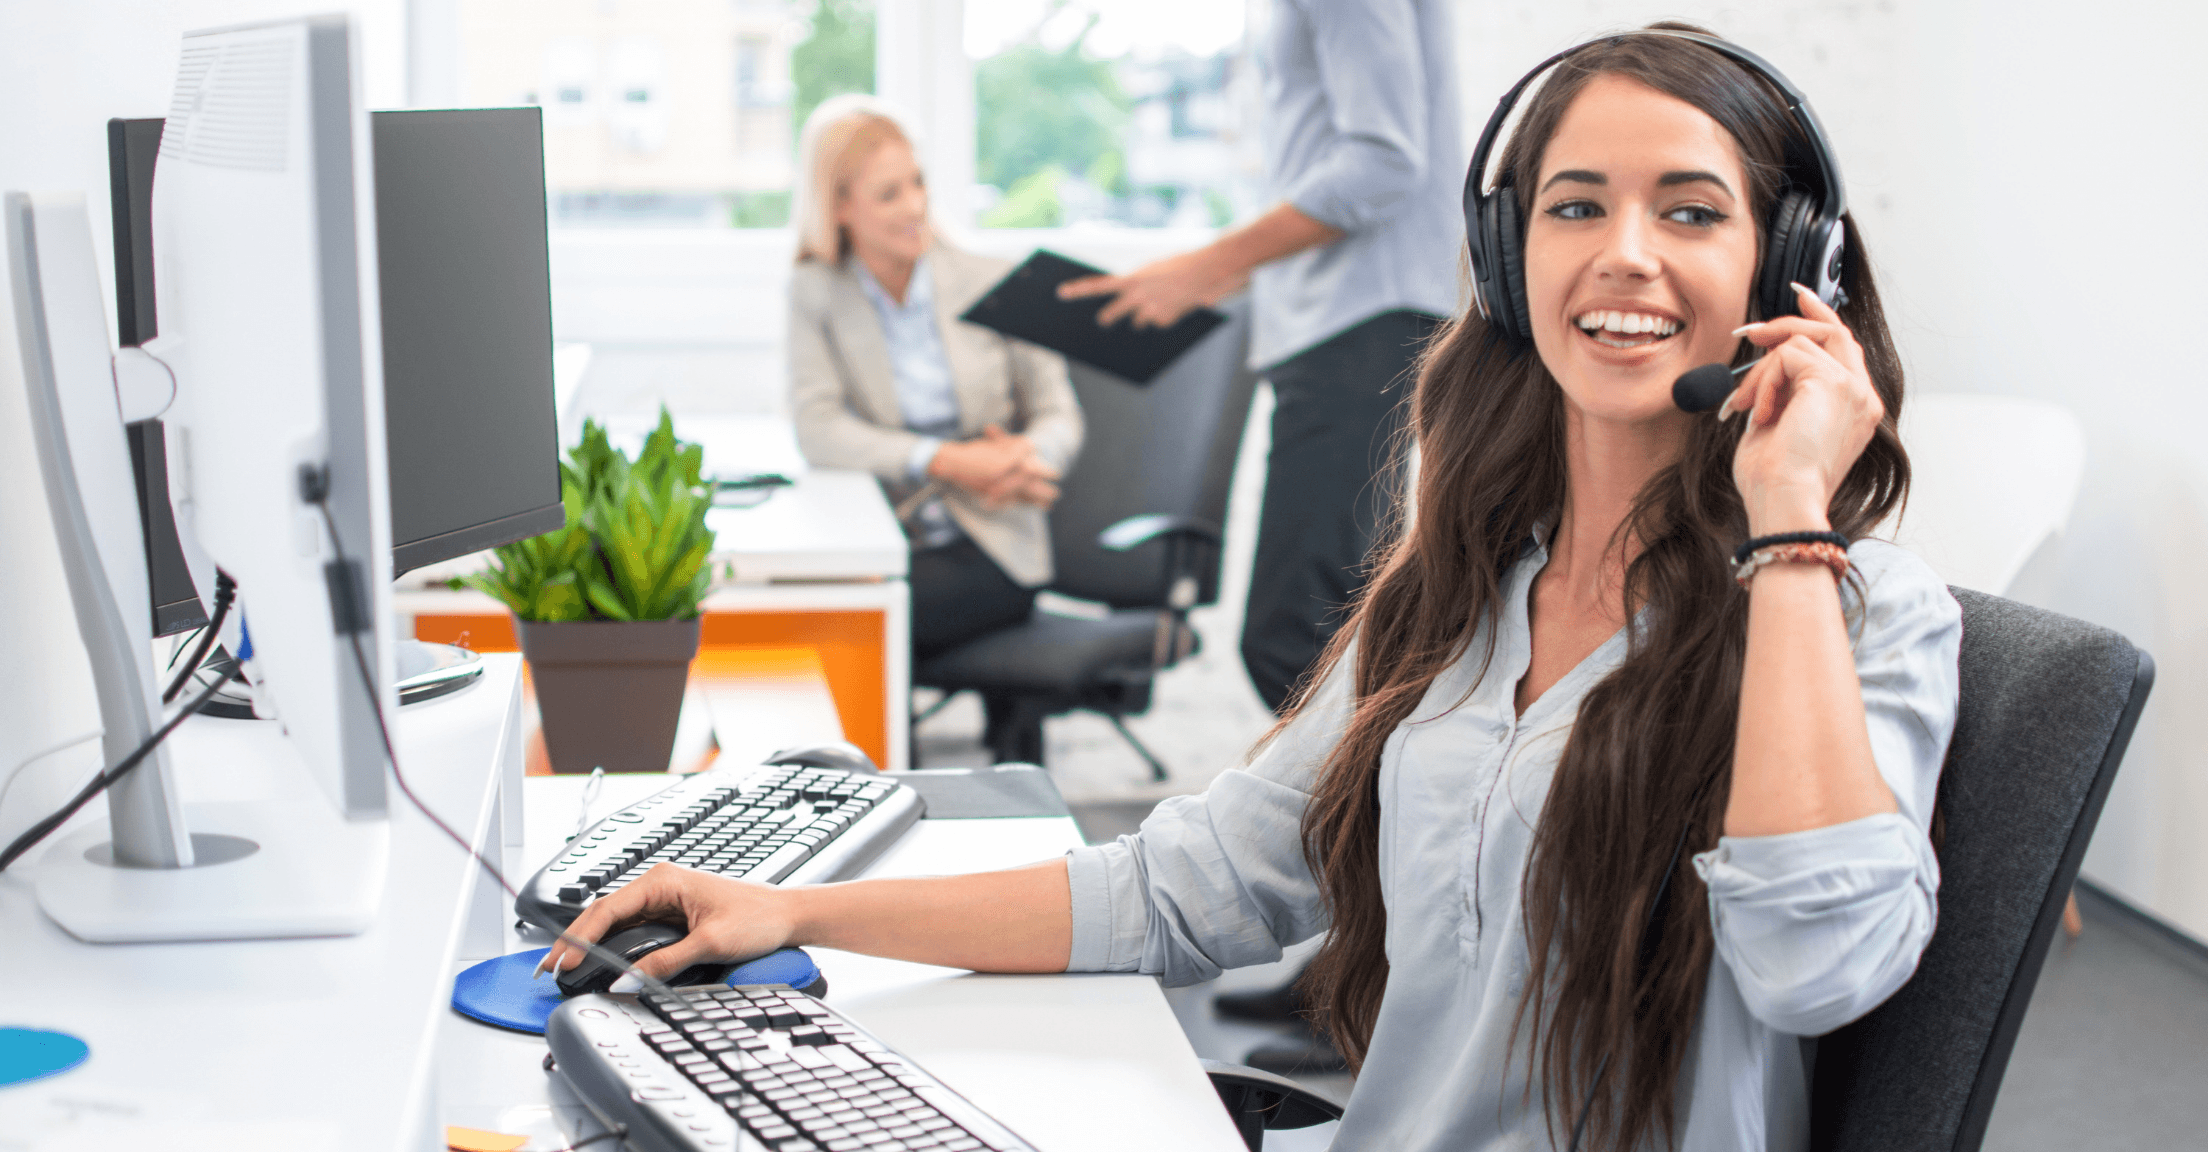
[759, 209]
[837, 56]
[1040, 115]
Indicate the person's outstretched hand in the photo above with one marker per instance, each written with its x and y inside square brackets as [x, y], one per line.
[726, 920]
[1159, 293]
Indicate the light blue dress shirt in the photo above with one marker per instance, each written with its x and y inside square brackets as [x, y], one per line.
[1813, 928]
[926, 395]
[1361, 133]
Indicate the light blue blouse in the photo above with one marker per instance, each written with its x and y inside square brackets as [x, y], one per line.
[1813, 929]
[926, 395]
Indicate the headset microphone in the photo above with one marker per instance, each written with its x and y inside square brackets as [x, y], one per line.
[1704, 388]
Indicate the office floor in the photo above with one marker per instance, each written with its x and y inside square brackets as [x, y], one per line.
[2112, 1053]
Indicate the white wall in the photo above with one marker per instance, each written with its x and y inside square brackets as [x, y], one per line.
[65, 68]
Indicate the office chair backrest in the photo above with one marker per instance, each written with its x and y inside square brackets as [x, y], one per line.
[1167, 447]
[2048, 704]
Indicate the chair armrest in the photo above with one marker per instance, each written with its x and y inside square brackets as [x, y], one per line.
[1136, 531]
[1259, 1101]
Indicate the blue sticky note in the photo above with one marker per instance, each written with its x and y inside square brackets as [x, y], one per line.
[33, 1054]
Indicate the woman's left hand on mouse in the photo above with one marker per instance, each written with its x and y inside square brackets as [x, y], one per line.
[724, 919]
[1811, 409]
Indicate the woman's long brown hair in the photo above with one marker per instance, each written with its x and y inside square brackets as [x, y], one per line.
[1650, 756]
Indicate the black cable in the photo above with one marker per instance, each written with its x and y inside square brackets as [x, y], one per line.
[178, 652]
[314, 488]
[39, 831]
[226, 590]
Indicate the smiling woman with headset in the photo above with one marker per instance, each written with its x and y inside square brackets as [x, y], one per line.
[1620, 781]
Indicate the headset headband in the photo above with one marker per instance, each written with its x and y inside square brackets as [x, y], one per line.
[1834, 198]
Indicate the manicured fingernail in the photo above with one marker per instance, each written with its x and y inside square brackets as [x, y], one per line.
[1796, 285]
[1745, 329]
[1725, 410]
[626, 982]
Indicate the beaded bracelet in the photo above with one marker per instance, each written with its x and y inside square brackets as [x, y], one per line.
[1757, 543]
[1820, 552]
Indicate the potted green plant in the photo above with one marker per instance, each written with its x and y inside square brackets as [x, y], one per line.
[606, 607]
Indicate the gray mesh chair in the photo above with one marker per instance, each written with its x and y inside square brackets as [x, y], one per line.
[1136, 528]
[2048, 705]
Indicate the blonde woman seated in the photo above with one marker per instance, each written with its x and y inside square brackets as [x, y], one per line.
[967, 430]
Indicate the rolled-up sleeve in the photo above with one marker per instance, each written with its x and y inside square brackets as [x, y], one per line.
[1821, 926]
[1374, 75]
[1213, 881]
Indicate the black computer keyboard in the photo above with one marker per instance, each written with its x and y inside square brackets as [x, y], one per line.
[778, 825]
[719, 1069]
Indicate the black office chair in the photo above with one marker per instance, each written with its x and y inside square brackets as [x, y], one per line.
[1137, 528]
[1261, 1102]
[2048, 705]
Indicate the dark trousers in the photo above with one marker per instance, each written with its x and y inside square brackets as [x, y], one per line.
[1336, 409]
[959, 594]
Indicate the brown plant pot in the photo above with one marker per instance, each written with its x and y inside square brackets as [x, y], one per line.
[609, 692]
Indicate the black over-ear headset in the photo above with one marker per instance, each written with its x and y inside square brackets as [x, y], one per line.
[1802, 245]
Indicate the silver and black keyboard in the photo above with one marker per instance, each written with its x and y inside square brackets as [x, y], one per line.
[755, 1067]
[777, 825]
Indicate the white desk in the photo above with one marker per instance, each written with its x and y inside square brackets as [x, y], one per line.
[1073, 1063]
[299, 1045]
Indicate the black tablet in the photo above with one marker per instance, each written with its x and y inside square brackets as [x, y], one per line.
[1025, 305]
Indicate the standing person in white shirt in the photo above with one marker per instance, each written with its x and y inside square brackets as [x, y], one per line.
[967, 429]
[1349, 273]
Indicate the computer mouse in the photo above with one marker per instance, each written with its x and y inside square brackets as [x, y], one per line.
[633, 944]
[836, 755]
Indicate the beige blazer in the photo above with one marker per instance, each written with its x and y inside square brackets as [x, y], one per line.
[845, 398]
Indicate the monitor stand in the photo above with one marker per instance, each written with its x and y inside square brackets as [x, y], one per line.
[262, 870]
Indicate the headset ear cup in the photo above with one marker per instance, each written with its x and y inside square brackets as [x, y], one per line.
[1511, 264]
[1479, 224]
[1782, 257]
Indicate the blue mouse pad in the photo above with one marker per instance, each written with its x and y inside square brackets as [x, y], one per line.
[503, 990]
[31, 1054]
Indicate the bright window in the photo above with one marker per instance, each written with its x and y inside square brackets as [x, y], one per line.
[1133, 113]
[667, 113]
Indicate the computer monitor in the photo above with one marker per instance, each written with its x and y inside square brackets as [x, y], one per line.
[264, 239]
[470, 427]
[467, 330]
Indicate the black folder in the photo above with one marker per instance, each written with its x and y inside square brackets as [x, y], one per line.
[1025, 305]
